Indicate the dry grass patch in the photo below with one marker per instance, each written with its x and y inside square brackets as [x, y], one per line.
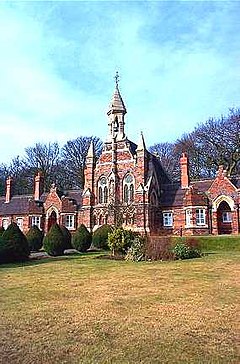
[86, 310]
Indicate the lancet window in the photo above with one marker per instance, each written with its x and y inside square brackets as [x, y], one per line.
[102, 190]
[128, 189]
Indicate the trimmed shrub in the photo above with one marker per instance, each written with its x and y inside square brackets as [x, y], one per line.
[13, 245]
[120, 240]
[100, 237]
[183, 250]
[159, 248]
[35, 238]
[1, 230]
[67, 237]
[136, 252]
[82, 239]
[53, 242]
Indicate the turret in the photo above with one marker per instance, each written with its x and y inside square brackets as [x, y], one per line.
[116, 113]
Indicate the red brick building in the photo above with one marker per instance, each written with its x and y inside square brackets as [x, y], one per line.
[127, 185]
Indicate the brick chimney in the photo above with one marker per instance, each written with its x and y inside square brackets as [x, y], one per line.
[8, 189]
[184, 171]
[38, 186]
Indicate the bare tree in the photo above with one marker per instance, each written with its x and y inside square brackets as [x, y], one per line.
[169, 156]
[43, 157]
[74, 154]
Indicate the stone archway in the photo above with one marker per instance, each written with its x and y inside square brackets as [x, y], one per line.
[52, 219]
[224, 218]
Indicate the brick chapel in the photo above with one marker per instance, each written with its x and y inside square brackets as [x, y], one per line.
[128, 186]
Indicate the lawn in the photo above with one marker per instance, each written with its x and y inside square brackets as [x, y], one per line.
[81, 309]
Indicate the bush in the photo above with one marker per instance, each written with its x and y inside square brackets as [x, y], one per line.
[136, 252]
[120, 240]
[100, 236]
[67, 237]
[13, 245]
[35, 238]
[159, 248]
[53, 242]
[82, 239]
[186, 250]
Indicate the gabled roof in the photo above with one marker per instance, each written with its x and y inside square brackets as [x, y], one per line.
[172, 195]
[21, 204]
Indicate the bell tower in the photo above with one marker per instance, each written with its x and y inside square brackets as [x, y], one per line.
[116, 113]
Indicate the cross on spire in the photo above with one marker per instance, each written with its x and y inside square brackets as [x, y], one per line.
[116, 78]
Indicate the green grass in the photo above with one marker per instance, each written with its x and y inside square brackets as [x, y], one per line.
[220, 243]
[79, 309]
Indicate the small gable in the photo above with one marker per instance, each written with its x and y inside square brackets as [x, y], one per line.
[221, 186]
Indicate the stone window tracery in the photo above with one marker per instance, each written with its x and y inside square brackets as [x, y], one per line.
[128, 189]
[102, 190]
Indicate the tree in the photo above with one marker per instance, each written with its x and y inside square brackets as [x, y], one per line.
[82, 239]
[169, 156]
[53, 242]
[13, 245]
[100, 236]
[35, 238]
[74, 154]
[67, 237]
[43, 157]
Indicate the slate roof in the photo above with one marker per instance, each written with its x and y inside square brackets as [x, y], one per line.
[117, 103]
[75, 195]
[21, 204]
[172, 195]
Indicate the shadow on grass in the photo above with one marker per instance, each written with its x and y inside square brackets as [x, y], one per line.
[32, 261]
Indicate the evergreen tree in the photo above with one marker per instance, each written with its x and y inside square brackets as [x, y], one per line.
[53, 242]
[82, 239]
[35, 238]
[13, 245]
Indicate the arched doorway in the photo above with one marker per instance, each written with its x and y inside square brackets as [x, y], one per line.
[52, 219]
[224, 218]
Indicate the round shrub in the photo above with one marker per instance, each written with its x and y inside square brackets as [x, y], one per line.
[100, 236]
[35, 238]
[13, 245]
[67, 237]
[82, 239]
[53, 242]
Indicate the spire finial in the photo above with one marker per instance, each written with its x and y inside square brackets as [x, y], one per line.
[116, 78]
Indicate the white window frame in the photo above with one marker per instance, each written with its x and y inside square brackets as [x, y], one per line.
[20, 225]
[200, 217]
[188, 217]
[36, 220]
[167, 218]
[5, 223]
[226, 216]
[70, 221]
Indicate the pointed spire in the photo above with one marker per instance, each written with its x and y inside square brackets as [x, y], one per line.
[90, 153]
[116, 104]
[141, 144]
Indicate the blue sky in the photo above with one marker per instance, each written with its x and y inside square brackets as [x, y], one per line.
[179, 63]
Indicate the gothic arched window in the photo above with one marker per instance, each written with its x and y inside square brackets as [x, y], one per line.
[102, 190]
[128, 189]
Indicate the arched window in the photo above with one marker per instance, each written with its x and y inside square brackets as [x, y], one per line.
[102, 190]
[105, 194]
[128, 189]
